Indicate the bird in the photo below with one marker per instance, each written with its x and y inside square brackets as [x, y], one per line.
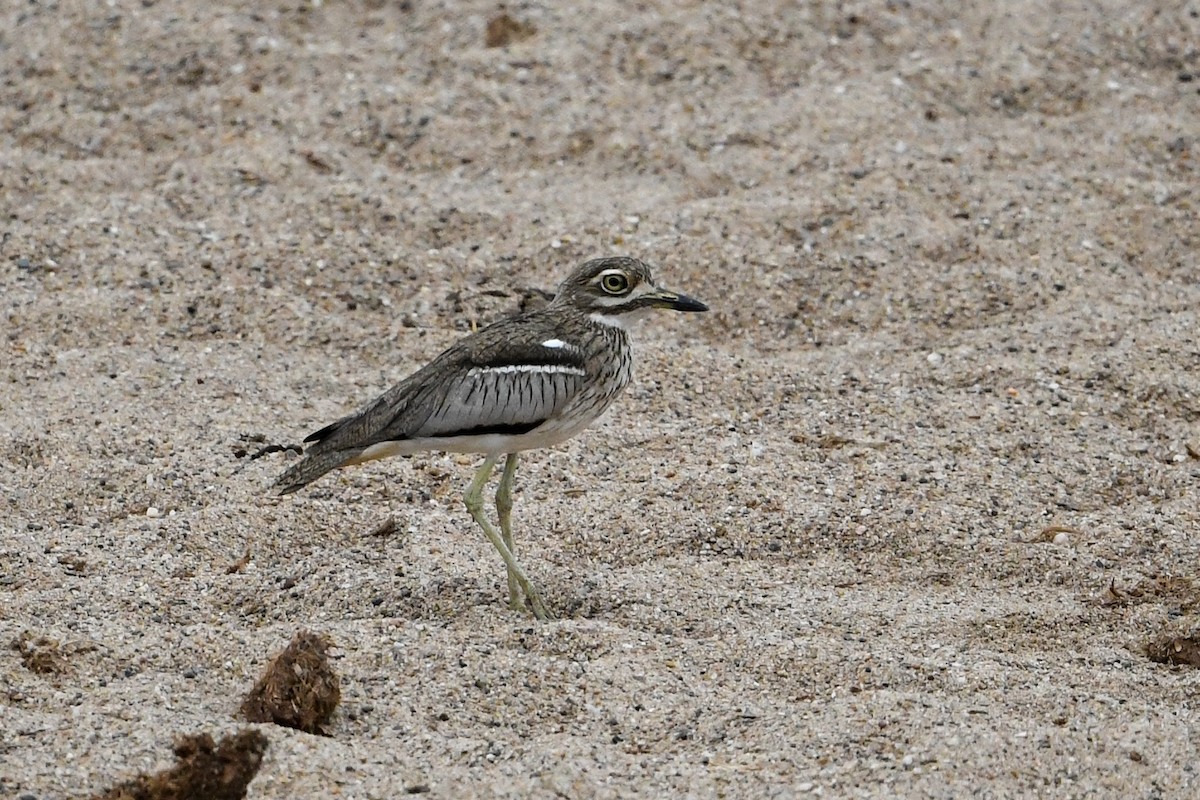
[527, 381]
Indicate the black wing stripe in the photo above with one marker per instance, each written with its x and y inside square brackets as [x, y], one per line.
[503, 429]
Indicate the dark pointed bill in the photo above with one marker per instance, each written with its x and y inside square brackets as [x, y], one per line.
[679, 302]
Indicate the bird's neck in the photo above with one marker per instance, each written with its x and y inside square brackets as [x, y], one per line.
[622, 321]
[609, 320]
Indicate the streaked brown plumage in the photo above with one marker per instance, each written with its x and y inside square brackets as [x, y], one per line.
[528, 381]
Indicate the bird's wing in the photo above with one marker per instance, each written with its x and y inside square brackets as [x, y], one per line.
[497, 381]
[507, 389]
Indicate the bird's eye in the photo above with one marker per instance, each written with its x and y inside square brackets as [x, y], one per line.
[614, 283]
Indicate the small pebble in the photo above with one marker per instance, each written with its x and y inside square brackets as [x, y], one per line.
[1061, 538]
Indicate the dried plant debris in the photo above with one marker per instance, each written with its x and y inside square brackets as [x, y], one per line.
[532, 299]
[503, 30]
[299, 688]
[1057, 534]
[204, 770]
[1173, 591]
[385, 528]
[40, 654]
[271, 448]
[1179, 650]
[239, 565]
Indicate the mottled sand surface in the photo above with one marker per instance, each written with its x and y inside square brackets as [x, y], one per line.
[899, 517]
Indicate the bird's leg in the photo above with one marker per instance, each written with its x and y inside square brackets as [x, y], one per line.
[504, 506]
[474, 502]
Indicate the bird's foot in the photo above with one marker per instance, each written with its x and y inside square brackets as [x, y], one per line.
[536, 605]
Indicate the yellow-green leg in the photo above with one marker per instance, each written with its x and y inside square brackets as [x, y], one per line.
[474, 502]
[504, 504]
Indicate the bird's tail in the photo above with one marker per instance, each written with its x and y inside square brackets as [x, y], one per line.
[311, 467]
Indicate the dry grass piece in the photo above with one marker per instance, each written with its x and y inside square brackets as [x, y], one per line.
[204, 770]
[1048, 533]
[1181, 650]
[299, 688]
[239, 565]
[385, 528]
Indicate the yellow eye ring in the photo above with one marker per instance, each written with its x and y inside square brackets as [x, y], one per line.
[614, 283]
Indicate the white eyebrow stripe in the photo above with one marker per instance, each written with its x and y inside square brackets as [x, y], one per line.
[545, 369]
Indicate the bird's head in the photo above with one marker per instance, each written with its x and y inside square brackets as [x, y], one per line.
[618, 290]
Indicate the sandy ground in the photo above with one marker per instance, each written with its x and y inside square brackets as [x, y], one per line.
[897, 518]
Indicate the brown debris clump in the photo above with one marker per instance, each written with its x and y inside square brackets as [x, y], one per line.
[503, 30]
[204, 770]
[1179, 650]
[40, 654]
[299, 688]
